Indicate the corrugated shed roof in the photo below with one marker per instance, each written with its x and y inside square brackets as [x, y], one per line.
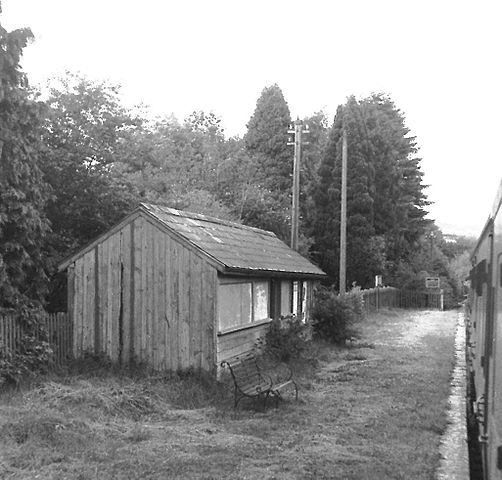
[238, 247]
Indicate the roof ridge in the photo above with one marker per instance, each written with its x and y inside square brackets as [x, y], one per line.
[151, 207]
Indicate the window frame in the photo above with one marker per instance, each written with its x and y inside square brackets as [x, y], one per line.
[254, 322]
[296, 300]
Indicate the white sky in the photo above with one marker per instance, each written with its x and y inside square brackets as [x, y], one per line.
[440, 61]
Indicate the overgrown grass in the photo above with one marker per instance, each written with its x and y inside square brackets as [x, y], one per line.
[371, 410]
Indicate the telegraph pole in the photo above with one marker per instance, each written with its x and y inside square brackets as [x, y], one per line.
[297, 131]
[343, 216]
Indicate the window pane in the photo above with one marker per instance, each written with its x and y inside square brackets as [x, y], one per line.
[285, 297]
[234, 305]
[246, 310]
[304, 299]
[261, 301]
[295, 298]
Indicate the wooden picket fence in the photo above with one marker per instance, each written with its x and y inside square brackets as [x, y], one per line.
[59, 334]
[390, 297]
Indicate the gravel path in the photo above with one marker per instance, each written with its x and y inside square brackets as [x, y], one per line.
[412, 333]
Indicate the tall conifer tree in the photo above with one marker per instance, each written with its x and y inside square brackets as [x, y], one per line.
[385, 197]
[267, 137]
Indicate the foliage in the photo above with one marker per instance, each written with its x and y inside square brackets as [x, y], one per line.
[241, 190]
[287, 338]
[86, 134]
[385, 197]
[436, 257]
[179, 165]
[334, 316]
[312, 152]
[82, 160]
[354, 297]
[32, 353]
[23, 191]
[267, 137]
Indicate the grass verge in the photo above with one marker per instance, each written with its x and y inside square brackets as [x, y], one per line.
[372, 410]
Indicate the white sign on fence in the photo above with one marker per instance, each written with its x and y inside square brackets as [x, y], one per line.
[432, 282]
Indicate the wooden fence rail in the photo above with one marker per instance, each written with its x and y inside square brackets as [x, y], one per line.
[59, 334]
[390, 297]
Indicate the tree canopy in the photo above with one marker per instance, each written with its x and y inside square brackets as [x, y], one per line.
[74, 164]
[23, 191]
[267, 137]
[385, 195]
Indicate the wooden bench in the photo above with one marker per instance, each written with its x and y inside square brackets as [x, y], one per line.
[250, 381]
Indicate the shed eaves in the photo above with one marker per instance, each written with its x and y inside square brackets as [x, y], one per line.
[236, 246]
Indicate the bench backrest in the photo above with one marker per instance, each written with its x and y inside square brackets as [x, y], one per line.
[245, 371]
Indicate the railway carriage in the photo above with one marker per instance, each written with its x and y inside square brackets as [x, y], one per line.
[485, 340]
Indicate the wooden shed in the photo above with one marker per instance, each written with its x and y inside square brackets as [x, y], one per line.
[177, 290]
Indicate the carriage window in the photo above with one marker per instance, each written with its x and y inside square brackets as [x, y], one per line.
[481, 277]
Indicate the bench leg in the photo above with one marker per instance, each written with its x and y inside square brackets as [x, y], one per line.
[237, 398]
[296, 391]
[277, 397]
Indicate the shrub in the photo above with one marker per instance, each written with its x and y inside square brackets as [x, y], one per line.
[31, 354]
[355, 299]
[287, 338]
[334, 316]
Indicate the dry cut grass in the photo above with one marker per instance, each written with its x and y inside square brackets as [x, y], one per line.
[373, 410]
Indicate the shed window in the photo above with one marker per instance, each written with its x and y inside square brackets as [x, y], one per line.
[261, 295]
[296, 297]
[286, 297]
[293, 297]
[243, 303]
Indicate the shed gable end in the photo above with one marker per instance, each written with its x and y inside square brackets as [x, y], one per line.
[140, 295]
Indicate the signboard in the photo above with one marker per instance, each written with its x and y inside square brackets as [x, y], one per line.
[378, 281]
[432, 282]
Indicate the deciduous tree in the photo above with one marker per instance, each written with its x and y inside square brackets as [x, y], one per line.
[87, 133]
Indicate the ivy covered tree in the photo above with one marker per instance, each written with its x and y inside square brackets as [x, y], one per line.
[312, 151]
[23, 191]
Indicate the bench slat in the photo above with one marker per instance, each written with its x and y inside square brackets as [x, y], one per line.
[248, 380]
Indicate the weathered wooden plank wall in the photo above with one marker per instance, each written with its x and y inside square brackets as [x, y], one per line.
[58, 329]
[152, 299]
[239, 342]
